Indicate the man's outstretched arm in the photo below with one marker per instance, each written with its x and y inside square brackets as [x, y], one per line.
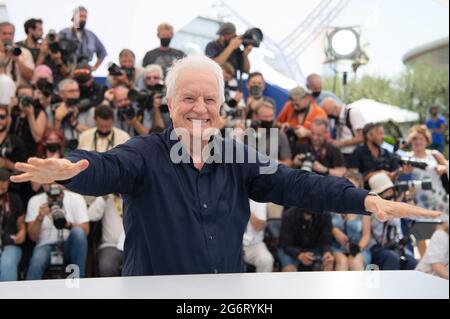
[88, 173]
[290, 187]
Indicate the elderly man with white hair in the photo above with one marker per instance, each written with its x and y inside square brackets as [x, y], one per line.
[186, 190]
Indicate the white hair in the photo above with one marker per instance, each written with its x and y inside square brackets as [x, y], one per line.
[198, 62]
[65, 82]
[154, 68]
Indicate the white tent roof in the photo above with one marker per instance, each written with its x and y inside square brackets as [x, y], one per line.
[377, 112]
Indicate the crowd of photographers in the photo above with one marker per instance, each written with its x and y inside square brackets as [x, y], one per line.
[50, 104]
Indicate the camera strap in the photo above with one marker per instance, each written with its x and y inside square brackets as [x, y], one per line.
[110, 141]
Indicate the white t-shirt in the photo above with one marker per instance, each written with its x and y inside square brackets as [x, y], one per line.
[27, 59]
[252, 236]
[74, 207]
[437, 252]
[7, 89]
[109, 211]
[344, 133]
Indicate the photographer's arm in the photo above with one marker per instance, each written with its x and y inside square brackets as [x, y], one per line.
[366, 230]
[83, 226]
[356, 140]
[25, 71]
[158, 121]
[34, 227]
[6, 163]
[37, 125]
[138, 126]
[440, 269]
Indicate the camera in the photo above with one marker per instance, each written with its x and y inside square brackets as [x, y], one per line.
[45, 87]
[145, 98]
[253, 37]
[353, 247]
[26, 101]
[55, 204]
[114, 69]
[400, 161]
[317, 263]
[6, 149]
[404, 186]
[307, 161]
[51, 35]
[126, 113]
[66, 46]
[231, 102]
[13, 49]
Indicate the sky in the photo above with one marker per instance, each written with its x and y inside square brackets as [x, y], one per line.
[391, 27]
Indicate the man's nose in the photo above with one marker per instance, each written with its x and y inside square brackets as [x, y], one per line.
[200, 106]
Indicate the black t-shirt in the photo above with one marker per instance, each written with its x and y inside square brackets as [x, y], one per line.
[34, 51]
[21, 128]
[163, 58]
[11, 208]
[328, 155]
[214, 49]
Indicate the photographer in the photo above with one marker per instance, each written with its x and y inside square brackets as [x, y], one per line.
[317, 154]
[67, 116]
[103, 136]
[7, 85]
[19, 61]
[12, 148]
[56, 55]
[388, 245]
[255, 87]
[164, 55]
[371, 157]
[298, 114]
[437, 124]
[435, 261]
[348, 126]
[351, 235]
[88, 42]
[28, 120]
[34, 31]
[305, 240]
[255, 250]
[264, 118]
[227, 48]
[12, 229]
[51, 217]
[125, 73]
[89, 89]
[108, 209]
[135, 121]
[44, 93]
[314, 85]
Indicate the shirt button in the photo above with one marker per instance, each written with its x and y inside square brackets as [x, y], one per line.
[205, 205]
[216, 271]
[210, 237]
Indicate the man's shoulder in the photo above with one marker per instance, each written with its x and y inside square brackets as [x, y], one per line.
[176, 52]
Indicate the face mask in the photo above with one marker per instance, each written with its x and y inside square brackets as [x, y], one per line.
[255, 91]
[165, 42]
[316, 94]
[53, 147]
[103, 134]
[71, 102]
[81, 25]
[266, 124]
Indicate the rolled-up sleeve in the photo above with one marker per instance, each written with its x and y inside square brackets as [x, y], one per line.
[299, 188]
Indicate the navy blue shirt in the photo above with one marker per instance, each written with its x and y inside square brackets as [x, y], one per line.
[179, 220]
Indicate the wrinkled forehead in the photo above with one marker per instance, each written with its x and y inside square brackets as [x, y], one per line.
[196, 80]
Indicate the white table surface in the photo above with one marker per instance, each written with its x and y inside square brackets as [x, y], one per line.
[300, 285]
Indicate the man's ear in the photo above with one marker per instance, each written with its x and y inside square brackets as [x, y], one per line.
[170, 105]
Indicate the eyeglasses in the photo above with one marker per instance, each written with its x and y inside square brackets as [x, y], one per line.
[3, 117]
[152, 78]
